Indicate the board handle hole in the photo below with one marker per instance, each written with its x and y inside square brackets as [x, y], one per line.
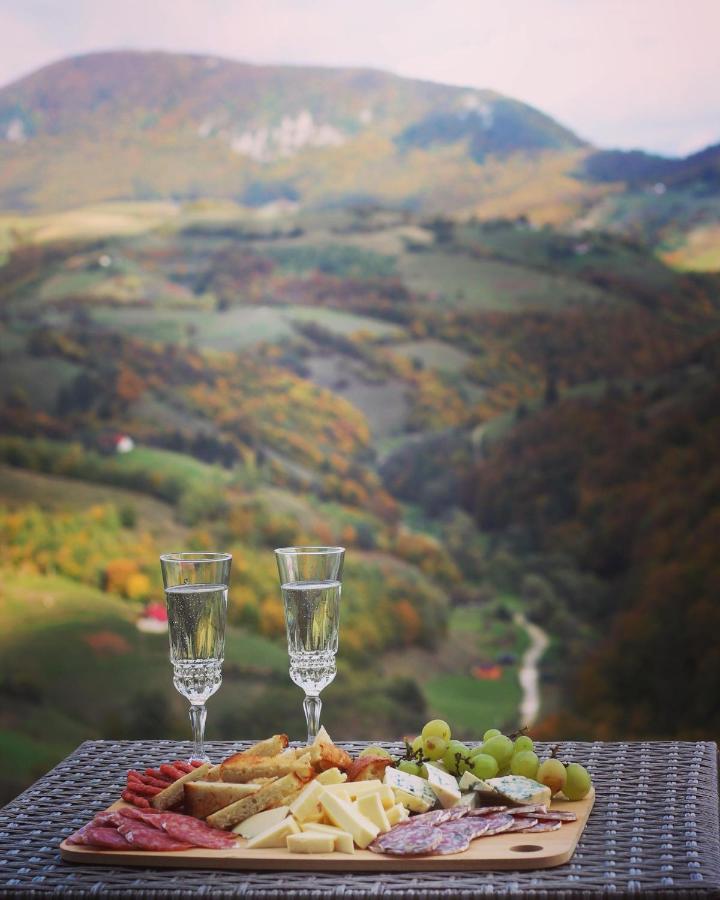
[526, 848]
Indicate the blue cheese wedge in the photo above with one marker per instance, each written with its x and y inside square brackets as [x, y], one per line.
[412, 791]
[517, 790]
[467, 781]
[443, 785]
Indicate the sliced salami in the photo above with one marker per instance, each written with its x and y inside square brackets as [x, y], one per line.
[110, 818]
[435, 817]
[527, 810]
[100, 836]
[542, 826]
[487, 810]
[183, 828]
[453, 840]
[521, 823]
[474, 828]
[497, 824]
[557, 815]
[143, 837]
[417, 841]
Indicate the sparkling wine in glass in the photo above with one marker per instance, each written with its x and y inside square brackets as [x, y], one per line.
[196, 593]
[310, 581]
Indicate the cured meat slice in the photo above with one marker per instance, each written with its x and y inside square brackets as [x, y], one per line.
[542, 826]
[417, 841]
[497, 824]
[100, 836]
[435, 817]
[183, 828]
[557, 815]
[110, 818]
[486, 810]
[521, 823]
[527, 810]
[143, 837]
[474, 828]
[454, 840]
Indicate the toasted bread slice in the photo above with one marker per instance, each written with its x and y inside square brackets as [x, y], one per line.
[277, 793]
[173, 794]
[202, 798]
[248, 768]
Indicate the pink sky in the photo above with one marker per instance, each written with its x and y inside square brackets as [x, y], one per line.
[628, 73]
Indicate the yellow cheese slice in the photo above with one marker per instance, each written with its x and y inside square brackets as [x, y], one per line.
[275, 835]
[310, 842]
[261, 821]
[397, 813]
[332, 776]
[306, 805]
[371, 807]
[343, 841]
[342, 814]
[351, 790]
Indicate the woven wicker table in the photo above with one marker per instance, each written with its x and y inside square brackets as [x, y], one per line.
[654, 830]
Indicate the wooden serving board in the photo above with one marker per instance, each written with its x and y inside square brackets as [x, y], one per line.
[501, 851]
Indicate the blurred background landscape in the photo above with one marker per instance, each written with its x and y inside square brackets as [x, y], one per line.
[245, 306]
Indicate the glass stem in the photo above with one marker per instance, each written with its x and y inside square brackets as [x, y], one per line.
[198, 714]
[312, 706]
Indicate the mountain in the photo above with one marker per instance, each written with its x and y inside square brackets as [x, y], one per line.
[131, 125]
[638, 169]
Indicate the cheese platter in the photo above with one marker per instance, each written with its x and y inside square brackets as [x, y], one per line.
[315, 808]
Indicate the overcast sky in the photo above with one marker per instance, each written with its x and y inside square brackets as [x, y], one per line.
[624, 73]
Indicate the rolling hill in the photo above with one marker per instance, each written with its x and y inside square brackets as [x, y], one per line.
[123, 125]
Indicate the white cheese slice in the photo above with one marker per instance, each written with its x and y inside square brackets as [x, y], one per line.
[309, 842]
[351, 790]
[275, 836]
[261, 821]
[444, 786]
[410, 790]
[519, 790]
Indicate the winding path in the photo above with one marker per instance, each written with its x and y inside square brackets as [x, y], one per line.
[528, 674]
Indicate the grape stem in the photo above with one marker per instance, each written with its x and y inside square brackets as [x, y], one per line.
[516, 734]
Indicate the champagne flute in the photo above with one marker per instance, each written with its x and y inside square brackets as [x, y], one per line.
[310, 584]
[196, 592]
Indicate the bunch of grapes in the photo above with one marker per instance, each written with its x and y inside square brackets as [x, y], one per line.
[497, 755]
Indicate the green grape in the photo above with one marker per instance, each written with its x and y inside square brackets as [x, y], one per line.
[523, 743]
[450, 759]
[434, 747]
[483, 765]
[417, 744]
[525, 763]
[375, 751]
[491, 733]
[501, 748]
[422, 771]
[410, 767]
[436, 728]
[504, 771]
[551, 773]
[578, 783]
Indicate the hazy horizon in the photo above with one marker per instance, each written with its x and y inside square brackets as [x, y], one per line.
[641, 77]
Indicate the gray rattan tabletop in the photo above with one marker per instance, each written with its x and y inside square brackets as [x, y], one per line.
[654, 829]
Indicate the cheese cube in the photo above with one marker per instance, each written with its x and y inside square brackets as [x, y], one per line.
[343, 841]
[397, 813]
[308, 842]
[307, 805]
[444, 786]
[275, 835]
[342, 814]
[371, 807]
[410, 790]
[332, 776]
[261, 821]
